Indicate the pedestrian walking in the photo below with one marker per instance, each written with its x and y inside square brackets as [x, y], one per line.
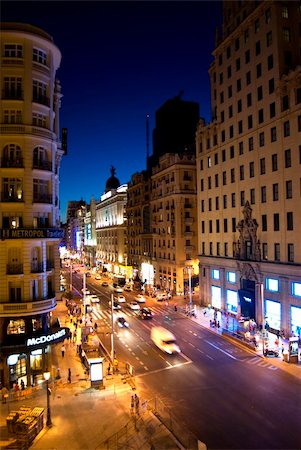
[137, 402]
[22, 385]
[69, 375]
[176, 309]
[63, 350]
[218, 324]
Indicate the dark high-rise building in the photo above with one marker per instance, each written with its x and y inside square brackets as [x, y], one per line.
[176, 122]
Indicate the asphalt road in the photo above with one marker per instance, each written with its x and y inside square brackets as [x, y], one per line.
[228, 397]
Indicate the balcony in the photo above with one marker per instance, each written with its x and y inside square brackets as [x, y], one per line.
[14, 269]
[27, 308]
[12, 94]
[42, 165]
[26, 129]
[188, 220]
[42, 198]
[12, 197]
[14, 163]
[37, 268]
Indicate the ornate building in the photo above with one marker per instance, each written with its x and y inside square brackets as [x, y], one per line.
[31, 152]
[111, 227]
[249, 165]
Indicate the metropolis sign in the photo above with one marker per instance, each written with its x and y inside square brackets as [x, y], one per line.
[48, 338]
[31, 233]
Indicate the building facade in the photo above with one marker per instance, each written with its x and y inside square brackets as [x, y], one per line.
[249, 165]
[111, 227]
[29, 208]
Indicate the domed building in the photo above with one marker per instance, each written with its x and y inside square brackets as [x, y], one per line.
[111, 227]
[112, 182]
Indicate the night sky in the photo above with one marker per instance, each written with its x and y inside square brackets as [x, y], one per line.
[120, 61]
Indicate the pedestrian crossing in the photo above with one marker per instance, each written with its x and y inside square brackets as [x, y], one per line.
[105, 314]
[259, 362]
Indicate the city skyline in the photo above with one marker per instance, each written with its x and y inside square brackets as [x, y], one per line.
[115, 72]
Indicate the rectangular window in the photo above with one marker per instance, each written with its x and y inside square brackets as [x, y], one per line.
[239, 109]
[264, 222]
[39, 56]
[225, 225]
[13, 51]
[249, 99]
[217, 203]
[242, 198]
[252, 196]
[268, 16]
[224, 178]
[248, 78]
[258, 70]
[277, 252]
[225, 201]
[229, 71]
[233, 202]
[230, 112]
[241, 173]
[289, 189]
[289, 221]
[275, 192]
[240, 129]
[232, 175]
[257, 48]
[241, 147]
[296, 289]
[259, 93]
[288, 158]
[272, 284]
[276, 222]
[237, 64]
[216, 179]
[231, 277]
[215, 274]
[286, 128]
[261, 139]
[203, 226]
[290, 253]
[231, 131]
[272, 110]
[286, 34]
[223, 155]
[217, 225]
[209, 182]
[284, 103]
[251, 169]
[210, 204]
[233, 224]
[238, 85]
[260, 116]
[269, 39]
[226, 248]
[247, 56]
[274, 162]
[271, 86]
[273, 134]
[262, 166]
[251, 144]
[263, 194]
[270, 62]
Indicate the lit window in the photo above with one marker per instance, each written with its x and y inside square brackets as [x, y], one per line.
[296, 289]
[215, 274]
[231, 277]
[272, 284]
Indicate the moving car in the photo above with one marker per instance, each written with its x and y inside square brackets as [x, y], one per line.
[86, 291]
[145, 314]
[140, 298]
[88, 275]
[164, 340]
[134, 306]
[121, 299]
[97, 277]
[122, 323]
[94, 298]
[118, 290]
[116, 305]
[127, 288]
[105, 283]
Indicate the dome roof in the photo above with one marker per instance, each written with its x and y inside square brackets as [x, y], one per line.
[112, 182]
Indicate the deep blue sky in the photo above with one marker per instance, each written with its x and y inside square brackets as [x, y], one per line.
[120, 61]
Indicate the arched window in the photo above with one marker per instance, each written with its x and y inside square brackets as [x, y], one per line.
[12, 156]
[39, 155]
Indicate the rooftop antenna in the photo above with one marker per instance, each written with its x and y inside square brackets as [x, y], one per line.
[147, 137]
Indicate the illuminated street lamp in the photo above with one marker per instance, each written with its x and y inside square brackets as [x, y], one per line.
[46, 378]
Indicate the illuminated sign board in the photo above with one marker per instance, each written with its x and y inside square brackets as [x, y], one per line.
[47, 338]
[31, 233]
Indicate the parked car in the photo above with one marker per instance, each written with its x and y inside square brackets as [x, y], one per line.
[116, 305]
[145, 314]
[134, 306]
[271, 352]
[86, 291]
[140, 298]
[105, 283]
[97, 277]
[127, 288]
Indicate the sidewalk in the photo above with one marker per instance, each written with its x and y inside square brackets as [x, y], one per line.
[87, 418]
[230, 325]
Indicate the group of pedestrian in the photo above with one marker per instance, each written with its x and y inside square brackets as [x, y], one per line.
[214, 323]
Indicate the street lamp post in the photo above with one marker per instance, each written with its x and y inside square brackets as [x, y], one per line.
[190, 290]
[70, 276]
[84, 295]
[46, 378]
[112, 331]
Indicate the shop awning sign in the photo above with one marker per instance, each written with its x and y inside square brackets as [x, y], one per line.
[48, 339]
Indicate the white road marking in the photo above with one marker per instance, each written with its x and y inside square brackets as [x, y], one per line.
[223, 351]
